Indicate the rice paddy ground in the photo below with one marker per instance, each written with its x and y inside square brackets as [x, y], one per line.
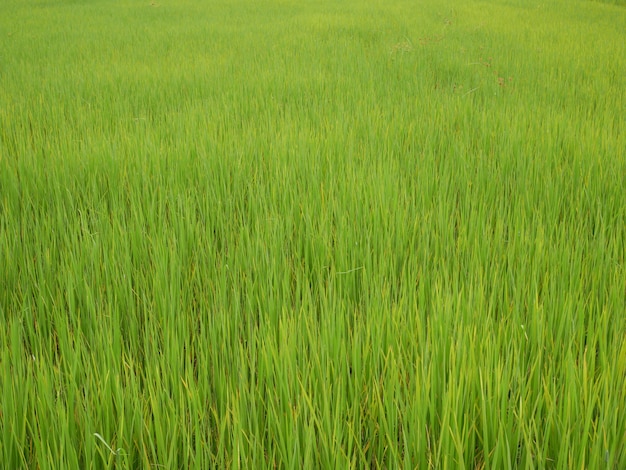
[312, 234]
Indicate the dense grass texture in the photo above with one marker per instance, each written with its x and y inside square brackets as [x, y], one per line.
[312, 234]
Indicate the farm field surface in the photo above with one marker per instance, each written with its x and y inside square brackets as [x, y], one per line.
[312, 234]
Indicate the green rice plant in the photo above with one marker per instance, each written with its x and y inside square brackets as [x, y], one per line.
[312, 234]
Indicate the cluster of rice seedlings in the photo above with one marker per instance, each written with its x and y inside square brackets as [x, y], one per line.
[323, 235]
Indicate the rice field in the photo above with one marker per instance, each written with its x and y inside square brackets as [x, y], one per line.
[312, 234]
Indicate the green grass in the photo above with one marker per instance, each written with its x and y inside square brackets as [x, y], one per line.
[301, 234]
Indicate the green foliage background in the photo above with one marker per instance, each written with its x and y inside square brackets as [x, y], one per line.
[312, 234]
